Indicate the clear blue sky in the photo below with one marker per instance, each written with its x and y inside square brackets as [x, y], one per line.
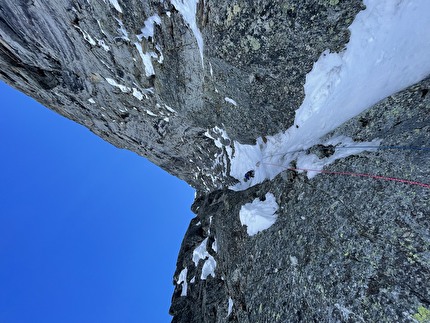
[88, 232]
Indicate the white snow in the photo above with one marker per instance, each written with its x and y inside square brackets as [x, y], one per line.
[208, 268]
[137, 94]
[152, 114]
[169, 109]
[200, 252]
[148, 28]
[315, 164]
[161, 57]
[123, 88]
[209, 265]
[259, 215]
[122, 30]
[231, 101]
[183, 279]
[115, 4]
[91, 100]
[146, 59]
[103, 45]
[230, 306]
[188, 8]
[215, 245]
[387, 52]
[87, 36]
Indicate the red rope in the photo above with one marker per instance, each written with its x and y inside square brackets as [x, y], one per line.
[393, 179]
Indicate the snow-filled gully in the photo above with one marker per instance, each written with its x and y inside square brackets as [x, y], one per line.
[387, 52]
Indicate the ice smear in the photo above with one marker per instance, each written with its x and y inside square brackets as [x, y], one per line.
[387, 52]
[259, 215]
[183, 279]
[187, 9]
[115, 4]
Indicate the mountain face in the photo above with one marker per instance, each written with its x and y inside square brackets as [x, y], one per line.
[201, 88]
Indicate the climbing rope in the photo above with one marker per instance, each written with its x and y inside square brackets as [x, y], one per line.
[380, 177]
[416, 148]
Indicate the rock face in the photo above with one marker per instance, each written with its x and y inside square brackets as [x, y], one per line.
[343, 248]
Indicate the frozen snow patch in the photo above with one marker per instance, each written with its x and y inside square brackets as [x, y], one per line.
[230, 306]
[187, 9]
[137, 94]
[123, 88]
[208, 268]
[122, 30]
[182, 279]
[87, 36]
[313, 164]
[146, 59]
[210, 264]
[231, 101]
[259, 215]
[387, 52]
[116, 5]
[215, 245]
[200, 252]
[148, 28]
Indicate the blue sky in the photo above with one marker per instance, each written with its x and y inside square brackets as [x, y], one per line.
[88, 232]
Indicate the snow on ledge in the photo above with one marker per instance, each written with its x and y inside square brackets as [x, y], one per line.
[259, 215]
[182, 279]
[116, 5]
[387, 52]
[209, 265]
[188, 9]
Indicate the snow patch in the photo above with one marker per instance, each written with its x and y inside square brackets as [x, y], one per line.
[146, 59]
[152, 114]
[123, 88]
[116, 5]
[123, 32]
[387, 52]
[209, 265]
[182, 279]
[200, 252]
[259, 215]
[103, 45]
[137, 94]
[188, 8]
[148, 28]
[314, 164]
[231, 101]
[91, 100]
[87, 36]
[208, 268]
[215, 246]
[230, 306]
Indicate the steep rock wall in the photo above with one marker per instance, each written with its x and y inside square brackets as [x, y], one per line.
[342, 248]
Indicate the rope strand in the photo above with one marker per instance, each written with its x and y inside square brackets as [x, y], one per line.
[380, 177]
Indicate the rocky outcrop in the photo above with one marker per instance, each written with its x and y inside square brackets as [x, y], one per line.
[135, 73]
[342, 249]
